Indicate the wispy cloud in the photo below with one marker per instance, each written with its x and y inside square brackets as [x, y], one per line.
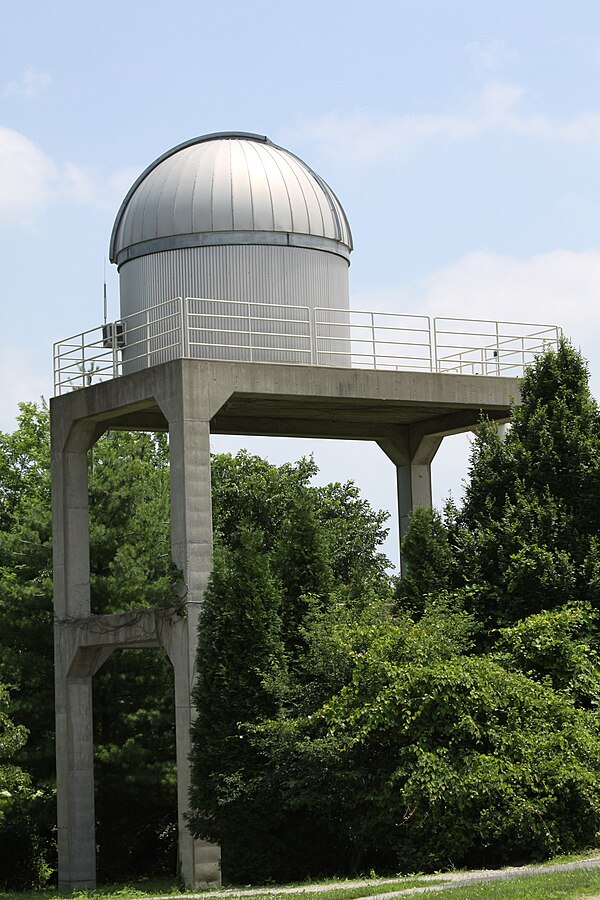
[89, 187]
[30, 180]
[560, 287]
[32, 84]
[488, 55]
[24, 377]
[366, 137]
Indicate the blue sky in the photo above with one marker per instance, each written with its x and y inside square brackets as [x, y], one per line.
[462, 137]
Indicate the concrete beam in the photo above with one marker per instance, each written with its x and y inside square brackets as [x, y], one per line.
[237, 396]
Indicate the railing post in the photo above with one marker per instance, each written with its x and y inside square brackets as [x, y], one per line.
[56, 369]
[497, 350]
[83, 373]
[147, 336]
[115, 357]
[184, 339]
[250, 342]
[312, 334]
[435, 346]
[373, 342]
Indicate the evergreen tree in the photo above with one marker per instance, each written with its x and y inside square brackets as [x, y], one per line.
[129, 548]
[526, 537]
[455, 723]
[25, 856]
[281, 546]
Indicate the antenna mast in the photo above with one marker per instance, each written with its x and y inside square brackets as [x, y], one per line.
[105, 300]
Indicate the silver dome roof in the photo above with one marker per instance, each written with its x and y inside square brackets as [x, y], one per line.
[228, 188]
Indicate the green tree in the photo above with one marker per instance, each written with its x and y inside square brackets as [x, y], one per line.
[24, 859]
[456, 721]
[423, 755]
[131, 567]
[526, 537]
[129, 547]
[12, 738]
[282, 546]
[428, 561]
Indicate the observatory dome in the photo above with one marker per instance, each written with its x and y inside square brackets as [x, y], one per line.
[228, 189]
[250, 246]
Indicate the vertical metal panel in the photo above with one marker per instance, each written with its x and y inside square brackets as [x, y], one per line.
[294, 275]
[263, 274]
[198, 191]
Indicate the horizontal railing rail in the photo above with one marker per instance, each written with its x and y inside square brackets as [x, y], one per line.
[250, 331]
[486, 347]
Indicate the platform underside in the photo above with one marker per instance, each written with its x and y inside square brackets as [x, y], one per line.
[295, 401]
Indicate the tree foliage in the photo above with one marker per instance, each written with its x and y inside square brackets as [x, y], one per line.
[129, 548]
[24, 859]
[345, 722]
[526, 538]
[131, 567]
[451, 721]
[281, 547]
[426, 756]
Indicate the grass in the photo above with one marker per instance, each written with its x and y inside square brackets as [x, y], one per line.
[566, 885]
[157, 888]
[326, 891]
[575, 884]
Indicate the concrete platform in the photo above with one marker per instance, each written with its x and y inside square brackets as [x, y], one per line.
[295, 401]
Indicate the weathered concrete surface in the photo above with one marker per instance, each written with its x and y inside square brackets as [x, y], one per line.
[295, 401]
[406, 413]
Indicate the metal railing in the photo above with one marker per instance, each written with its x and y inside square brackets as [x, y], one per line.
[485, 347]
[243, 331]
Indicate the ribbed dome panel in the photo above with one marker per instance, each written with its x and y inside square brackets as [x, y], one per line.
[227, 183]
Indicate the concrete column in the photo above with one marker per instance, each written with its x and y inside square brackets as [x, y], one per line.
[74, 726]
[191, 536]
[412, 454]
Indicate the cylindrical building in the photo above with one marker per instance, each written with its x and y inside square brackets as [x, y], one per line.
[251, 240]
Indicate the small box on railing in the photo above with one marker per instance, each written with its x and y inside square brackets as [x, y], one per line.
[113, 335]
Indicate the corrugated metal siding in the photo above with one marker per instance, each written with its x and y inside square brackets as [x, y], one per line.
[265, 275]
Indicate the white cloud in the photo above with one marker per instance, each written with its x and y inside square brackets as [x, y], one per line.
[31, 85]
[561, 288]
[368, 137]
[487, 55]
[30, 180]
[90, 188]
[24, 377]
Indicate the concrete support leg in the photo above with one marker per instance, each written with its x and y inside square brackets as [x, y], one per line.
[75, 786]
[412, 455]
[191, 535]
[74, 730]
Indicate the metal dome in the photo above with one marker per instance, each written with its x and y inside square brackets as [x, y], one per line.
[228, 188]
